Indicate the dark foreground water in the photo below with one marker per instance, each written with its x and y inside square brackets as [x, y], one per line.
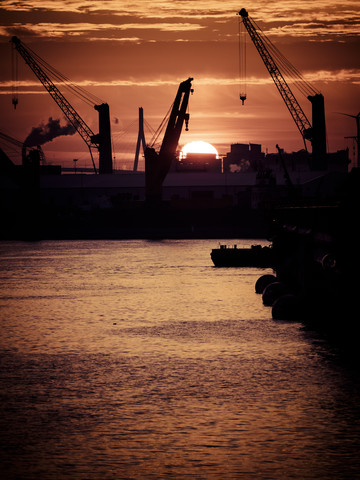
[140, 360]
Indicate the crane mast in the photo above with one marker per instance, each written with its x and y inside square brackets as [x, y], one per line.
[316, 132]
[157, 165]
[101, 141]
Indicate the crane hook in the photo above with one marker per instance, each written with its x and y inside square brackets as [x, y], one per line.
[14, 74]
[187, 117]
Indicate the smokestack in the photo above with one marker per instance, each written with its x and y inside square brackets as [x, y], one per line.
[46, 133]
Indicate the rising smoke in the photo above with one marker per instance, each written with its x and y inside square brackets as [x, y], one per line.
[45, 133]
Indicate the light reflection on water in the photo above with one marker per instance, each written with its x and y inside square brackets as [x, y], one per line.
[140, 360]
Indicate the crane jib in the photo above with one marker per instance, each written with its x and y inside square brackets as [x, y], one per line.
[315, 132]
[292, 104]
[101, 141]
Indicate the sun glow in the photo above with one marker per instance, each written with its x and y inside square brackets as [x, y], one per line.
[198, 147]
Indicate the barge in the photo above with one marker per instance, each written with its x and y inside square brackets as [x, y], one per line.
[255, 256]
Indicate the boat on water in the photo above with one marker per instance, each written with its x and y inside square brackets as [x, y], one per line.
[255, 256]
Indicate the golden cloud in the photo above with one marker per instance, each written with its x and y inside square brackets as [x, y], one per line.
[343, 75]
[322, 20]
[262, 10]
[61, 29]
[313, 30]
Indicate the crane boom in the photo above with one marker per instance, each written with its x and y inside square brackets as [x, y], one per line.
[157, 165]
[315, 132]
[292, 104]
[177, 118]
[101, 141]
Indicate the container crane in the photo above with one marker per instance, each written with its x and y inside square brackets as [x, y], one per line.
[101, 141]
[315, 133]
[30, 155]
[25, 176]
[157, 165]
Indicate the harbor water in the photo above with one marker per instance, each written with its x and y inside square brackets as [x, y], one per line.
[141, 360]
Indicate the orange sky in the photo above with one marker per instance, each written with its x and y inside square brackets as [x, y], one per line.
[132, 54]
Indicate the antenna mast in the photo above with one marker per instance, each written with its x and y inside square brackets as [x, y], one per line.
[140, 140]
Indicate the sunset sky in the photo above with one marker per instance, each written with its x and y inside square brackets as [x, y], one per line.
[132, 54]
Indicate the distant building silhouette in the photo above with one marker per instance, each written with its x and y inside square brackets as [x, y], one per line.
[243, 157]
[198, 162]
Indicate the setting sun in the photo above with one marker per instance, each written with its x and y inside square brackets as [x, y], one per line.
[198, 147]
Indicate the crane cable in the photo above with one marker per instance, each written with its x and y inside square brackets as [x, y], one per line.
[78, 91]
[288, 68]
[242, 60]
[161, 127]
[14, 74]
